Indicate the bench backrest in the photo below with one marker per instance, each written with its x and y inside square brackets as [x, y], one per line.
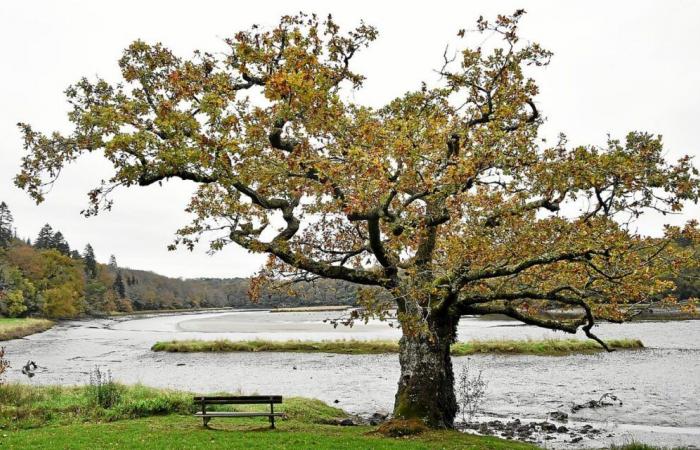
[239, 400]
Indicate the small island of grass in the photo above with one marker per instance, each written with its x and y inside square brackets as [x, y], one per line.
[15, 328]
[545, 347]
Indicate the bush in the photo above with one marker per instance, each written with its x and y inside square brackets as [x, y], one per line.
[103, 391]
[400, 427]
[471, 389]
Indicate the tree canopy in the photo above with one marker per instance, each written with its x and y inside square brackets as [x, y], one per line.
[445, 198]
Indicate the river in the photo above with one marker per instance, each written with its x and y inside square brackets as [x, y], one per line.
[659, 386]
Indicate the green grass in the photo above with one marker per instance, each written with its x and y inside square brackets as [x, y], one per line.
[66, 417]
[548, 347]
[13, 328]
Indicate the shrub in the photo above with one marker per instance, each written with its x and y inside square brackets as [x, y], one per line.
[471, 389]
[103, 391]
[400, 427]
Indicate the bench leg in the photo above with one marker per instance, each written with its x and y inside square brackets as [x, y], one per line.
[206, 420]
[272, 416]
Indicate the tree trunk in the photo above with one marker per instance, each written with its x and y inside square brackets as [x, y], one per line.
[426, 386]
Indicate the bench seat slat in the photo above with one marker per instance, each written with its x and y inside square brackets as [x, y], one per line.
[241, 400]
[236, 402]
[237, 414]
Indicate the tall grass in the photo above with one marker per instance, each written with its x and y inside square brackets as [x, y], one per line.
[15, 328]
[25, 406]
[531, 347]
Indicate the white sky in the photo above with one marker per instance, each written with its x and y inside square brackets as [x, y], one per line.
[618, 66]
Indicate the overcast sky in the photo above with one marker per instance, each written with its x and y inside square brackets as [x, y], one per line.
[618, 66]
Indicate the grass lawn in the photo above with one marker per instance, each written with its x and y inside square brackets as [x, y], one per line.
[62, 417]
[14, 328]
[186, 432]
[547, 347]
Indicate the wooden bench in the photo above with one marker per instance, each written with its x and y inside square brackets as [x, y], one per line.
[238, 400]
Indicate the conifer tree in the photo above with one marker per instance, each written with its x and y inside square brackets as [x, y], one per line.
[59, 243]
[5, 225]
[113, 263]
[90, 261]
[45, 237]
[119, 286]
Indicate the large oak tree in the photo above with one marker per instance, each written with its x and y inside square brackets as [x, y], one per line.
[444, 200]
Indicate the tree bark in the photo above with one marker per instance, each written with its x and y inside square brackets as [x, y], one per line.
[426, 385]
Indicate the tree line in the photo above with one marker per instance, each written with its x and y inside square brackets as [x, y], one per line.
[46, 277]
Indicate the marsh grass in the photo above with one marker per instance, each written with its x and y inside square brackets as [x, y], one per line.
[15, 328]
[548, 347]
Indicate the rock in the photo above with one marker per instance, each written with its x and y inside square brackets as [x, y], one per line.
[587, 427]
[549, 437]
[559, 416]
[377, 418]
[496, 424]
[336, 401]
[548, 427]
[576, 439]
[180, 364]
[562, 429]
[347, 422]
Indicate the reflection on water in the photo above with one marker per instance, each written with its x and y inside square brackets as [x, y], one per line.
[659, 387]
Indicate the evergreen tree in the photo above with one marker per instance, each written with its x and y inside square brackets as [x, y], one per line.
[119, 286]
[45, 237]
[29, 241]
[59, 243]
[113, 263]
[90, 262]
[75, 254]
[5, 225]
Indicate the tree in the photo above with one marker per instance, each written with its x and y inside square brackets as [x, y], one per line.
[119, 285]
[90, 262]
[113, 263]
[59, 243]
[444, 201]
[45, 239]
[6, 221]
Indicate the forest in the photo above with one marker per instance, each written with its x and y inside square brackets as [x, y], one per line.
[45, 277]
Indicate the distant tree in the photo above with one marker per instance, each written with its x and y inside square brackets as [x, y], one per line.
[445, 199]
[113, 263]
[75, 254]
[90, 261]
[6, 220]
[29, 241]
[45, 239]
[119, 285]
[59, 243]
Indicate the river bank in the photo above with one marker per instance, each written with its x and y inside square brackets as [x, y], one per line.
[655, 385]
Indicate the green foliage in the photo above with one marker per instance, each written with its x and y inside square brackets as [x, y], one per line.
[14, 302]
[102, 390]
[119, 285]
[5, 225]
[547, 347]
[90, 261]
